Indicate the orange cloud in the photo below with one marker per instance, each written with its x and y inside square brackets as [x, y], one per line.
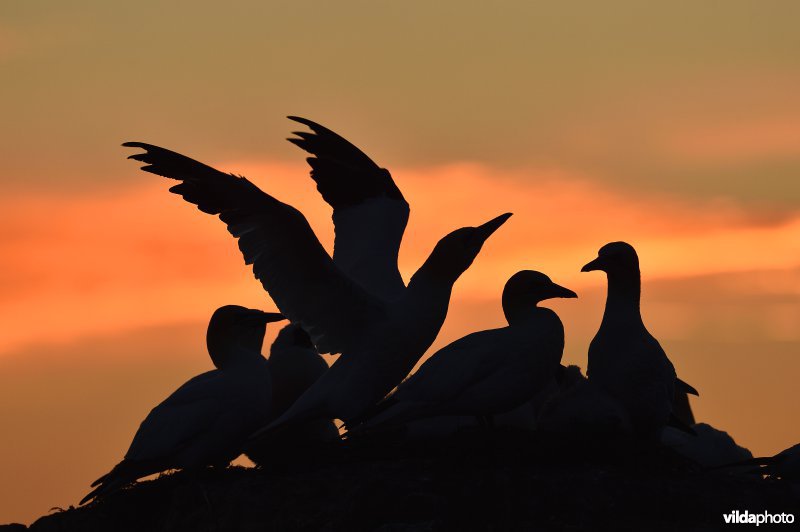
[125, 258]
[738, 143]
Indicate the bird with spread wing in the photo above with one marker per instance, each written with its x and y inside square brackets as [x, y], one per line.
[380, 337]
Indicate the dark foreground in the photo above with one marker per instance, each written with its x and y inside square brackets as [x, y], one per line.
[503, 481]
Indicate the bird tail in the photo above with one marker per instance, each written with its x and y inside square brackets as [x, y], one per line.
[386, 415]
[121, 475]
[761, 465]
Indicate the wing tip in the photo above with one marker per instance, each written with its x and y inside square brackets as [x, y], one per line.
[300, 119]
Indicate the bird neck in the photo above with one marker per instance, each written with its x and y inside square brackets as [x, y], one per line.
[520, 311]
[230, 354]
[435, 273]
[429, 291]
[623, 300]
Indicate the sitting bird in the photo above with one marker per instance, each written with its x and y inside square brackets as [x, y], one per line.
[369, 215]
[205, 421]
[580, 407]
[487, 372]
[625, 360]
[380, 339]
[294, 366]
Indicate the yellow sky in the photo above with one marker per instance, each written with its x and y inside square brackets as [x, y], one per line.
[673, 127]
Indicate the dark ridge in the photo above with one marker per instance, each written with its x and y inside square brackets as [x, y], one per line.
[503, 480]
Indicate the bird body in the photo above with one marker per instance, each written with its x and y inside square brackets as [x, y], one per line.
[710, 446]
[294, 366]
[207, 419]
[487, 372]
[624, 358]
[359, 378]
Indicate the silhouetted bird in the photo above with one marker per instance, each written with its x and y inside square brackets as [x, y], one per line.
[583, 407]
[380, 340]
[370, 216]
[488, 372]
[624, 358]
[294, 366]
[206, 420]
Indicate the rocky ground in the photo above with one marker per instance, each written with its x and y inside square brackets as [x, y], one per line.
[502, 480]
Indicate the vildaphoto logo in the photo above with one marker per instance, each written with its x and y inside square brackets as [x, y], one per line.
[742, 518]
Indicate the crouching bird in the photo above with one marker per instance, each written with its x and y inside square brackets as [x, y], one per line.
[206, 420]
[487, 372]
[626, 360]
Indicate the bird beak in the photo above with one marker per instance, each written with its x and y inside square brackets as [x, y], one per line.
[268, 317]
[593, 266]
[485, 231]
[560, 291]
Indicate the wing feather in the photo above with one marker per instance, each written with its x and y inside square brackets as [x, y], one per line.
[369, 211]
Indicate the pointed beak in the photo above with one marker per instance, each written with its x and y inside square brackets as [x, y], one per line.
[592, 266]
[267, 317]
[560, 291]
[485, 231]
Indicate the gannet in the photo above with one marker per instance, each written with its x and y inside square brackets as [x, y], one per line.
[487, 372]
[206, 420]
[369, 216]
[294, 366]
[624, 358]
[379, 340]
[524, 417]
[583, 407]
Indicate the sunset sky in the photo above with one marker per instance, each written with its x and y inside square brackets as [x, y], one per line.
[675, 128]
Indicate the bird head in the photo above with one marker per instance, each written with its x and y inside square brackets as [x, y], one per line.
[527, 288]
[615, 258]
[455, 252]
[235, 326]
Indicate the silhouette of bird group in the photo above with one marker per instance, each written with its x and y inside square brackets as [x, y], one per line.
[356, 304]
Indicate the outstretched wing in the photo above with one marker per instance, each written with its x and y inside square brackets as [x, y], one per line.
[277, 240]
[369, 211]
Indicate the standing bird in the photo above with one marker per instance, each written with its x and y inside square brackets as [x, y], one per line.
[624, 358]
[487, 372]
[379, 339]
[206, 420]
[370, 217]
